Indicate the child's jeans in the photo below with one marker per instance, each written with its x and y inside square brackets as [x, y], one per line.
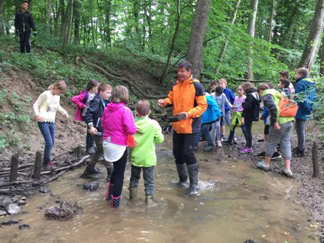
[204, 130]
[216, 129]
[89, 140]
[232, 133]
[148, 175]
[48, 131]
[117, 177]
[248, 137]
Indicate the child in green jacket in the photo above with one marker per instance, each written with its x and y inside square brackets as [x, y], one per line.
[148, 134]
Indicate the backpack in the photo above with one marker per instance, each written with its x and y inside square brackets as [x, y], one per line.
[287, 107]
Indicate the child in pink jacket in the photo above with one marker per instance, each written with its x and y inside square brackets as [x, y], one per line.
[82, 101]
[118, 124]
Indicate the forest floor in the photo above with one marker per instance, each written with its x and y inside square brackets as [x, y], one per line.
[70, 134]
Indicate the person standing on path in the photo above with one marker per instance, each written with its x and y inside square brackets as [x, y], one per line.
[23, 23]
[187, 96]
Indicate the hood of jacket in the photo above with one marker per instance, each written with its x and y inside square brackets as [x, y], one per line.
[112, 107]
[142, 125]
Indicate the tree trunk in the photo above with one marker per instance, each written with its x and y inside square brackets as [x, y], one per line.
[175, 34]
[136, 9]
[313, 40]
[76, 22]
[269, 38]
[197, 34]
[63, 19]
[322, 58]
[49, 15]
[223, 49]
[91, 22]
[251, 32]
[1, 18]
[70, 21]
[107, 21]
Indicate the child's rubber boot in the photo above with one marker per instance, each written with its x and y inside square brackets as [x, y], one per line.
[148, 200]
[132, 193]
[115, 202]
[109, 191]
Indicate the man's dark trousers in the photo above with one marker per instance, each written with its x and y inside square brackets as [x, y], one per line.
[24, 42]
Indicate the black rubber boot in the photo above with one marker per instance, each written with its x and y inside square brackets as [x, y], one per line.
[182, 173]
[193, 177]
[90, 172]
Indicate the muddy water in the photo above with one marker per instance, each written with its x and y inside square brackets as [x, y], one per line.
[236, 202]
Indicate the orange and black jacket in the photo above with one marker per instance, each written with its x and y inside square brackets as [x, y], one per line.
[187, 96]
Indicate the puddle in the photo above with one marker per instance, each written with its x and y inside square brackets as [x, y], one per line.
[236, 203]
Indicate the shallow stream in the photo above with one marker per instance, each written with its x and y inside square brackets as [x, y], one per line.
[236, 203]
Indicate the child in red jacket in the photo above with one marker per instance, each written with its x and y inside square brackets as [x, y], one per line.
[82, 101]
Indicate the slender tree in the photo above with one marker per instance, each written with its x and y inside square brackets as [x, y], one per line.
[269, 38]
[313, 40]
[197, 34]
[322, 58]
[1, 18]
[76, 11]
[223, 49]
[175, 34]
[251, 32]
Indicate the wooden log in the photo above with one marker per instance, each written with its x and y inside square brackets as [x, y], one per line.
[316, 167]
[19, 167]
[78, 152]
[14, 168]
[37, 166]
[15, 183]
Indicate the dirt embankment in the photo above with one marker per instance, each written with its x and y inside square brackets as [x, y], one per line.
[69, 134]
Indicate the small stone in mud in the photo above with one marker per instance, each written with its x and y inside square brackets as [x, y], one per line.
[10, 222]
[63, 212]
[91, 186]
[21, 202]
[24, 226]
[14, 208]
[206, 160]
[2, 213]
[4, 202]
[44, 189]
[249, 241]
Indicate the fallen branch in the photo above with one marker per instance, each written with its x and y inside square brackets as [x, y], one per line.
[124, 79]
[19, 167]
[15, 183]
[66, 167]
[54, 177]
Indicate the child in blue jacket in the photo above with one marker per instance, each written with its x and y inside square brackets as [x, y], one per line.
[211, 114]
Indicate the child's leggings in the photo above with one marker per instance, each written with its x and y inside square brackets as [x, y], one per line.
[117, 177]
[248, 137]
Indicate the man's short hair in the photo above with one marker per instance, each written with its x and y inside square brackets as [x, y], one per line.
[302, 71]
[143, 107]
[285, 83]
[103, 87]
[285, 74]
[24, 2]
[262, 87]
[185, 64]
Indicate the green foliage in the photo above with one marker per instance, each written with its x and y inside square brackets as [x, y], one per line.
[17, 116]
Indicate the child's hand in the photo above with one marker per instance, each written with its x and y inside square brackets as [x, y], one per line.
[93, 130]
[39, 118]
[242, 121]
[276, 126]
[66, 116]
[160, 102]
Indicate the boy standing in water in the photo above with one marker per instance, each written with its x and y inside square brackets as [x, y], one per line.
[93, 119]
[148, 134]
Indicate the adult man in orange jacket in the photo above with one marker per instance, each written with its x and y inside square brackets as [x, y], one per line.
[187, 96]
